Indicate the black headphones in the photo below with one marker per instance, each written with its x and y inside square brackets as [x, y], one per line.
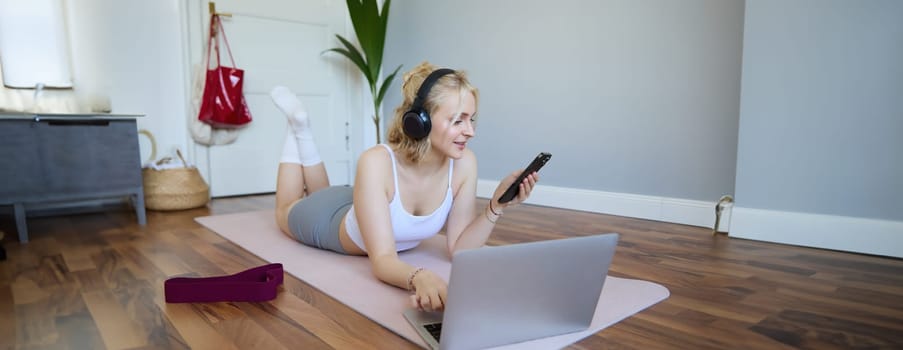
[416, 121]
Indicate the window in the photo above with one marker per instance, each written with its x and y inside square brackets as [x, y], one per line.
[34, 49]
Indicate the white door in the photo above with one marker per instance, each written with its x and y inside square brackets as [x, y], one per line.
[279, 43]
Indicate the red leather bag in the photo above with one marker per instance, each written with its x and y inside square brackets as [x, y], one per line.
[223, 103]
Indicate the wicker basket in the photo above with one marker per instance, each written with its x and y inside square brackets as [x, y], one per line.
[174, 188]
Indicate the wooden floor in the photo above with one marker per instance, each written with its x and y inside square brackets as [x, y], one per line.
[96, 281]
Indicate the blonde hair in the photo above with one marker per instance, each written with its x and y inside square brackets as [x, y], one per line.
[447, 85]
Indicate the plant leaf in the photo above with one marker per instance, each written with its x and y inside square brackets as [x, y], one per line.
[355, 57]
[348, 45]
[363, 17]
[371, 25]
[370, 28]
[355, 10]
[380, 42]
[385, 87]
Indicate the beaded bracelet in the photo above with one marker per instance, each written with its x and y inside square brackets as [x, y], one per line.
[411, 278]
[489, 218]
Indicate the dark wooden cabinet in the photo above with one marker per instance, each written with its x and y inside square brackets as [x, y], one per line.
[46, 159]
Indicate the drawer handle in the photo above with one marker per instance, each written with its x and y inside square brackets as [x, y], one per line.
[79, 122]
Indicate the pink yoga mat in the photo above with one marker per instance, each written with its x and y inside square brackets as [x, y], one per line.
[349, 280]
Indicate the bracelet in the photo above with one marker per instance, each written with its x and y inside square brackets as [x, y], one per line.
[493, 210]
[488, 218]
[411, 278]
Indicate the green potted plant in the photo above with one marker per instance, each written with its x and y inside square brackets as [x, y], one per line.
[370, 28]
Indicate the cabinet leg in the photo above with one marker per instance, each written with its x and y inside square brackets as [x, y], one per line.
[19, 214]
[138, 203]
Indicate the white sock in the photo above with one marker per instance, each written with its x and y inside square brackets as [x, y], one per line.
[299, 125]
[290, 148]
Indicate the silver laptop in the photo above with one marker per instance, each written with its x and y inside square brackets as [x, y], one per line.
[519, 292]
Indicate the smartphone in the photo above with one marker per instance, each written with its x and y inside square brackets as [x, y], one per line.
[534, 166]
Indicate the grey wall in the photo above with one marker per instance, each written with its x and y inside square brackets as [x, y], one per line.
[629, 96]
[821, 118]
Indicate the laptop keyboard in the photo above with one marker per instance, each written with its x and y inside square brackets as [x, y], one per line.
[435, 329]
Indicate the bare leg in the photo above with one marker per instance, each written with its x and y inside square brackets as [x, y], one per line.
[293, 183]
[315, 178]
[301, 172]
[289, 190]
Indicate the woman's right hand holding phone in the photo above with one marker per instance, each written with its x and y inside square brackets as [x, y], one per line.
[524, 188]
[523, 182]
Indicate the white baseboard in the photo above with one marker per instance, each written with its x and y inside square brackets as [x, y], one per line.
[676, 210]
[861, 235]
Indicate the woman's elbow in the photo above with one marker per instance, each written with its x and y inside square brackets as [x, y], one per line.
[381, 268]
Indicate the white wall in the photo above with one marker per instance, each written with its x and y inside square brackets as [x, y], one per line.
[821, 125]
[132, 52]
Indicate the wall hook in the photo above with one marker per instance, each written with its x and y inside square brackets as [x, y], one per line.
[212, 6]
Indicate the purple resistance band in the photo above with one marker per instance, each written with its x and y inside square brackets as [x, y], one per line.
[256, 284]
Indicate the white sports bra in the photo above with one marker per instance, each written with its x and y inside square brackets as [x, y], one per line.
[408, 229]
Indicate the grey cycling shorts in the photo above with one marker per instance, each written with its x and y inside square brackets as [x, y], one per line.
[315, 220]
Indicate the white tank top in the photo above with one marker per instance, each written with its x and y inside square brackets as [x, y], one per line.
[408, 229]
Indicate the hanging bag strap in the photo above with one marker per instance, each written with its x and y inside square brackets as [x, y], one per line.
[211, 41]
[216, 30]
[219, 24]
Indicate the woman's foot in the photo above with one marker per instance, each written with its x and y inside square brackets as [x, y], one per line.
[289, 104]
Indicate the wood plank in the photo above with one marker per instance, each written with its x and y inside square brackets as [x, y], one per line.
[115, 326]
[313, 320]
[816, 331]
[247, 334]
[226, 256]
[167, 262]
[36, 324]
[197, 332]
[26, 291]
[78, 260]
[140, 304]
[74, 323]
[8, 319]
[285, 330]
[351, 322]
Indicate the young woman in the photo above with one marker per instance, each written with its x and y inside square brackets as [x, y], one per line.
[405, 191]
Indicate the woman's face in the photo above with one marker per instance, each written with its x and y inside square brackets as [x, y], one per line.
[453, 124]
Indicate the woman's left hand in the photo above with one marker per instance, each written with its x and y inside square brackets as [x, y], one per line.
[430, 291]
[525, 188]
